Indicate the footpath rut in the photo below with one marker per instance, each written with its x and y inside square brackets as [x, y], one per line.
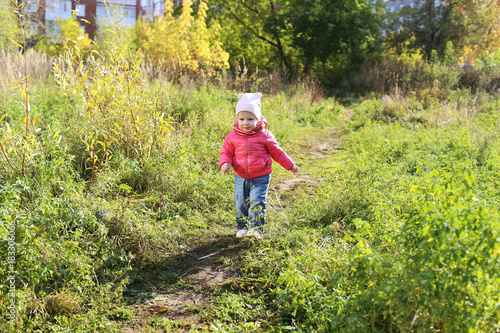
[214, 264]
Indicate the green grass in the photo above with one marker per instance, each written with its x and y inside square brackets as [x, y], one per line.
[401, 235]
[391, 224]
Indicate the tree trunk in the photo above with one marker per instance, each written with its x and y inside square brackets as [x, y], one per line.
[40, 19]
[307, 66]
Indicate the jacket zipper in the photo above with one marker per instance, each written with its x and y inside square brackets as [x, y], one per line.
[246, 157]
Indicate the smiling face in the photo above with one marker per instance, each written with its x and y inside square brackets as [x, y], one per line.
[246, 121]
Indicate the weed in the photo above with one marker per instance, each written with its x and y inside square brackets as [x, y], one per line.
[12, 65]
[122, 314]
[63, 303]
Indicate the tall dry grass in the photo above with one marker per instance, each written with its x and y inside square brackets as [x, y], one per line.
[395, 76]
[238, 79]
[13, 64]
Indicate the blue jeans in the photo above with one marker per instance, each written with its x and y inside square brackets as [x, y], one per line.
[250, 201]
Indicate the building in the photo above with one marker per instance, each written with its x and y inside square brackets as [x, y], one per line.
[45, 13]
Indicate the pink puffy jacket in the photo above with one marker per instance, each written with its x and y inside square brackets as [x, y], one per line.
[250, 154]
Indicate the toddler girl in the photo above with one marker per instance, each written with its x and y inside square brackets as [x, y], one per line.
[248, 149]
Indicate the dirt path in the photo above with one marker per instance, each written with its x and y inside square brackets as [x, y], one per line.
[193, 274]
[197, 272]
[331, 141]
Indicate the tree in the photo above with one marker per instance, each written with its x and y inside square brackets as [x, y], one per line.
[241, 45]
[183, 43]
[254, 22]
[302, 32]
[432, 25]
[67, 36]
[328, 29]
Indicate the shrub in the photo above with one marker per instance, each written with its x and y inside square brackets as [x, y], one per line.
[182, 44]
[67, 36]
[401, 77]
[118, 110]
[62, 303]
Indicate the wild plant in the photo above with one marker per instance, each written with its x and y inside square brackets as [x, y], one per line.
[12, 65]
[8, 28]
[115, 108]
[409, 75]
[183, 44]
[19, 145]
[68, 35]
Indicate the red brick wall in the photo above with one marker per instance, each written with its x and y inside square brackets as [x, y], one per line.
[90, 14]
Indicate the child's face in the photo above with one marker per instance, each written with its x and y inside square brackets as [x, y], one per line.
[246, 121]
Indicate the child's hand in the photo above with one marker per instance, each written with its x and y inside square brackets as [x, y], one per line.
[294, 169]
[225, 168]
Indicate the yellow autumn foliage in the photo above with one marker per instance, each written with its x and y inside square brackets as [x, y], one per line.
[183, 43]
[68, 36]
[487, 39]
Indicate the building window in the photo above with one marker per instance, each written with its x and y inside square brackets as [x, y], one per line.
[101, 12]
[53, 28]
[118, 14]
[58, 9]
[130, 13]
[157, 8]
[80, 9]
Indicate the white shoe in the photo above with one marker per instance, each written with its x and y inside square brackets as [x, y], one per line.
[255, 234]
[242, 233]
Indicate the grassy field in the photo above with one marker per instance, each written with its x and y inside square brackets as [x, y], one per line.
[122, 221]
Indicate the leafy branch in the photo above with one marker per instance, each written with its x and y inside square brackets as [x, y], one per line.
[11, 148]
[114, 103]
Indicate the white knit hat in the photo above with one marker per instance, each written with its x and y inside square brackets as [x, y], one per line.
[251, 103]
